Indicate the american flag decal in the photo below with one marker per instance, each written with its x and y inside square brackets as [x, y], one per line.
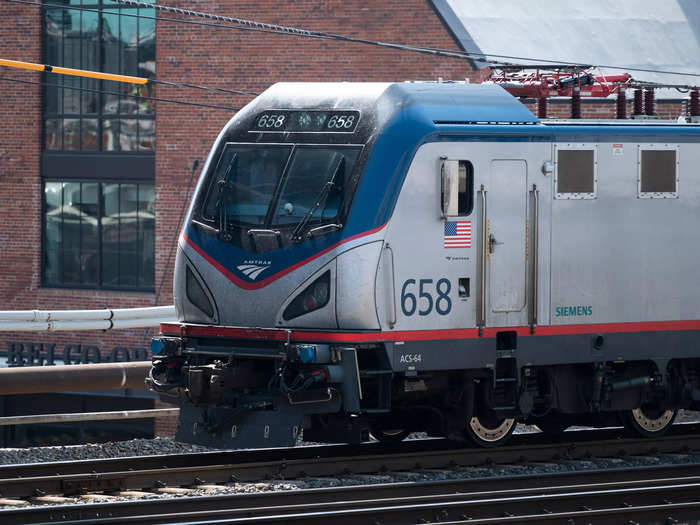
[458, 234]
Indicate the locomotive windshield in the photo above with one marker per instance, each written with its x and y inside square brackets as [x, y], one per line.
[280, 185]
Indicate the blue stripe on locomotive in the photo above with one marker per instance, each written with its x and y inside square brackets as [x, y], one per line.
[474, 113]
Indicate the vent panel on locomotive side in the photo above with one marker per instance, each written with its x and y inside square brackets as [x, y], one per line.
[389, 258]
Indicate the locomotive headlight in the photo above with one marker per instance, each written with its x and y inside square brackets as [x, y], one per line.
[314, 296]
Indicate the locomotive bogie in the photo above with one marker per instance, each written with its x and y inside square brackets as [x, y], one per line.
[390, 258]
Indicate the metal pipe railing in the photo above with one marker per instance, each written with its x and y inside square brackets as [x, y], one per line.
[481, 320]
[104, 319]
[73, 378]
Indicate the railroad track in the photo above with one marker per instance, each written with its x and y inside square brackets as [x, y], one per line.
[665, 494]
[115, 479]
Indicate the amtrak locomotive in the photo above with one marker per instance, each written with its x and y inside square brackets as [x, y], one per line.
[388, 258]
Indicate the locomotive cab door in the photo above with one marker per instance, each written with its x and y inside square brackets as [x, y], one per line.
[505, 246]
[508, 191]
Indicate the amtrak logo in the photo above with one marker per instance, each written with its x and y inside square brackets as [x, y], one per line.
[253, 269]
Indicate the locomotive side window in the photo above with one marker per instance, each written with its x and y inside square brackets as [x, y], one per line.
[457, 188]
[658, 172]
[575, 172]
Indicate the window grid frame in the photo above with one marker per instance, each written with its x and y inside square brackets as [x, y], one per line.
[99, 285]
[60, 116]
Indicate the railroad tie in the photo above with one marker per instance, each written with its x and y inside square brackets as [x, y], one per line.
[174, 490]
[211, 488]
[53, 499]
[133, 494]
[13, 502]
[98, 497]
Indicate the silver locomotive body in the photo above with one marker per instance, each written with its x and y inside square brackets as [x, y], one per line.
[389, 258]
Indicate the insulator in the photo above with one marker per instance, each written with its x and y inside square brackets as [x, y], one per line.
[638, 102]
[576, 102]
[649, 101]
[694, 103]
[542, 107]
[621, 103]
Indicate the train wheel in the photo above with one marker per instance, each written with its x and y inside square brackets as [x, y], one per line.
[390, 435]
[648, 421]
[490, 432]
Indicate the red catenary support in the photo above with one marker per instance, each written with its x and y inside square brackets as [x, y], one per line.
[649, 108]
[621, 103]
[576, 102]
[638, 103]
[694, 103]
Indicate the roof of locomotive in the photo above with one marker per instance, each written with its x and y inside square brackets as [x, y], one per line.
[428, 108]
[443, 101]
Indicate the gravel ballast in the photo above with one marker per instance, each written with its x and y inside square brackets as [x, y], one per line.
[160, 446]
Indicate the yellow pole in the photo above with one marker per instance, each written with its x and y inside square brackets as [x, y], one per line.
[73, 72]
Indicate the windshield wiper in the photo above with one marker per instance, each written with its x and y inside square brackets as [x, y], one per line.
[224, 188]
[320, 199]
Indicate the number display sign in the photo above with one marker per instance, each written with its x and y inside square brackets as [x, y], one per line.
[282, 121]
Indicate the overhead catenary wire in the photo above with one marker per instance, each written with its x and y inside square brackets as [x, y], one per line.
[331, 36]
[250, 25]
[104, 92]
[303, 33]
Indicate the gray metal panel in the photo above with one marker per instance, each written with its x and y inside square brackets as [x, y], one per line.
[324, 317]
[510, 212]
[455, 354]
[416, 235]
[507, 212]
[263, 307]
[355, 287]
[620, 258]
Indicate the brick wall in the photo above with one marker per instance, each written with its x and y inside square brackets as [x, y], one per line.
[20, 140]
[164, 425]
[605, 108]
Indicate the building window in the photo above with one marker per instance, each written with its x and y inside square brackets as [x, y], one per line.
[658, 172]
[109, 38]
[575, 170]
[99, 235]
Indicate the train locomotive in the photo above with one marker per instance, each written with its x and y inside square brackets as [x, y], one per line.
[384, 258]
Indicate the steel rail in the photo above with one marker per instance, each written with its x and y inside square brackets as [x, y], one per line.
[25, 481]
[543, 497]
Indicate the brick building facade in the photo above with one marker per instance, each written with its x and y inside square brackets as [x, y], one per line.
[197, 54]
